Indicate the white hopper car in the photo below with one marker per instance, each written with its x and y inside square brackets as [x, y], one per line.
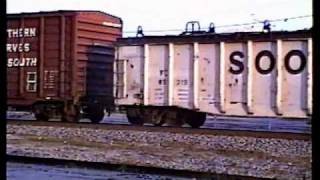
[180, 79]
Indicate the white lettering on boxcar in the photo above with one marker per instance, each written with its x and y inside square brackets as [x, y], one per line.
[21, 47]
[22, 62]
[21, 32]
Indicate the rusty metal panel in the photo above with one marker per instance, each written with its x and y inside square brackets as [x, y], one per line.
[95, 35]
[51, 57]
[42, 35]
[22, 44]
[47, 43]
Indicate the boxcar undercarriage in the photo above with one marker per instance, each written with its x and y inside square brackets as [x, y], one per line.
[68, 111]
[159, 115]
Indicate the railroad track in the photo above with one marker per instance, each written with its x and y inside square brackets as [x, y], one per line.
[302, 126]
[170, 129]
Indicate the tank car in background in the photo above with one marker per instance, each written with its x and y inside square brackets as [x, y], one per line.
[181, 79]
[60, 63]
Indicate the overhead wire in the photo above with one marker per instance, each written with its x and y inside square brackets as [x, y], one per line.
[227, 25]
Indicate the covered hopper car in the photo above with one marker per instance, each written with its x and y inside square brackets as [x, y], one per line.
[181, 79]
[60, 63]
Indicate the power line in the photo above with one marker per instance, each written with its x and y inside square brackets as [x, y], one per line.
[228, 25]
[274, 20]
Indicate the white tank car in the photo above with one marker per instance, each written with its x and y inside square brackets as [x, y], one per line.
[180, 79]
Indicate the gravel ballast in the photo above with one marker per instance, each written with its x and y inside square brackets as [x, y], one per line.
[222, 154]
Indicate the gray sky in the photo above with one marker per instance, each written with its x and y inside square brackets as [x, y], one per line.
[173, 14]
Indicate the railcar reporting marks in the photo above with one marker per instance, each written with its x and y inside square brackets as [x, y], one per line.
[23, 48]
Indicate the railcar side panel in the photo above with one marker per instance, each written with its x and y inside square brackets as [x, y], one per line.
[264, 84]
[248, 77]
[235, 83]
[60, 55]
[158, 77]
[132, 59]
[95, 35]
[208, 79]
[183, 76]
[294, 79]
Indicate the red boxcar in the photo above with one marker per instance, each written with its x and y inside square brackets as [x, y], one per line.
[60, 62]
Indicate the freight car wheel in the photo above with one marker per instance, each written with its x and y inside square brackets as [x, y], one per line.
[134, 116]
[68, 117]
[70, 112]
[96, 117]
[159, 123]
[41, 116]
[158, 119]
[95, 112]
[135, 120]
[40, 111]
[195, 119]
[175, 118]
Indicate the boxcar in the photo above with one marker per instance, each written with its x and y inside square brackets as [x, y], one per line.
[60, 63]
[180, 79]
